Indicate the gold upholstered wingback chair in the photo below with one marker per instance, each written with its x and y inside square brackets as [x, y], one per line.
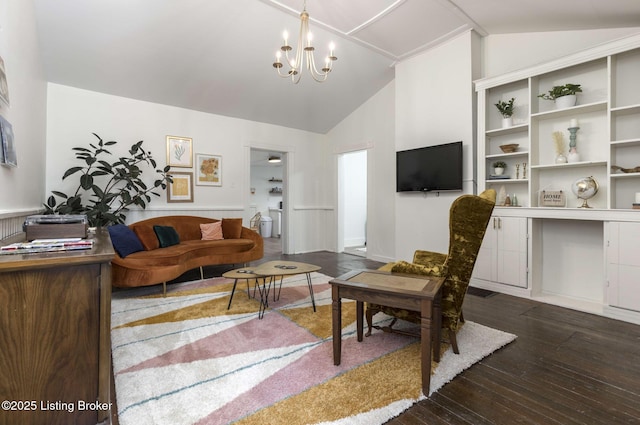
[468, 219]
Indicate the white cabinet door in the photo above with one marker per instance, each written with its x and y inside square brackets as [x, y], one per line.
[624, 265]
[503, 254]
[485, 267]
[512, 251]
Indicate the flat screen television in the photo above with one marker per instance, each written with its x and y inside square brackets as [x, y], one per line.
[430, 169]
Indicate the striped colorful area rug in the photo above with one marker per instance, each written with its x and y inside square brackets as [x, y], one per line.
[186, 359]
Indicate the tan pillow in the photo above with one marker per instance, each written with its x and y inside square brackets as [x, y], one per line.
[231, 228]
[211, 231]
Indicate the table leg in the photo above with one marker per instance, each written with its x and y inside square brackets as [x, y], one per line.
[437, 326]
[359, 320]
[235, 282]
[313, 300]
[337, 324]
[425, 343]
[264, 296]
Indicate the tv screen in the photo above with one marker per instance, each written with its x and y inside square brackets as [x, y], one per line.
[430, 169]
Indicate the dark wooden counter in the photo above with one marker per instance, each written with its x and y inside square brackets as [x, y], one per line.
[55, 338]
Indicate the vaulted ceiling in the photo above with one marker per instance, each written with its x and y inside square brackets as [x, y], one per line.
[216, 55]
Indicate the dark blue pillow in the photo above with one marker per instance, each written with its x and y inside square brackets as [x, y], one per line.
[167, 236]
[124, 241]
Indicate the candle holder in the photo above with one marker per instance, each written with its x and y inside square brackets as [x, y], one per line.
[573, 155]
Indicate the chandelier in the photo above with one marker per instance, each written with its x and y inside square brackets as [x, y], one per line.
[304, 54]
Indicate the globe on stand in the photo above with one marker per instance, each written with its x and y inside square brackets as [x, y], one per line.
[585, 188]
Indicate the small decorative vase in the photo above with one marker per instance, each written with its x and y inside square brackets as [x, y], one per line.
[507, 122]
[568, 101]
[561, 159]
[498, 171]
[573, 156]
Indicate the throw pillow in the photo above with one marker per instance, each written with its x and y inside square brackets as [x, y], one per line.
[231, 228]
[124, 241]
[167, 236]
[211, 231]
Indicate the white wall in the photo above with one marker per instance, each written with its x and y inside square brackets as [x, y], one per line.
[74, 114]
[22, 189]
[372, 127]
[503, 53]
[434, 105]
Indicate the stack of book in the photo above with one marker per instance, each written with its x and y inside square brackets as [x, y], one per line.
[47, 245]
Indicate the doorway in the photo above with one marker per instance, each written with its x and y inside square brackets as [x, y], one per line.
[352, 210]
[267, 190]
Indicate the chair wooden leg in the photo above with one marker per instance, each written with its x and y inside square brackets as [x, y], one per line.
[164, 289]
[454, 341]
[369, 316]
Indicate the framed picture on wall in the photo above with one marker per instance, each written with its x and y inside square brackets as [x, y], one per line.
[208, 170]
[181, 190]
[179, 152]
[4, 86]
[7, 144]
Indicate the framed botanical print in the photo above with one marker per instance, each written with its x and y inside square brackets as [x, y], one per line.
[4, 86]
[181, 190]
[179, 152]
[208, 170]
[7, 145]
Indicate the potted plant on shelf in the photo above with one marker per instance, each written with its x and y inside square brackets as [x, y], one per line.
[564, 96]
[498, 167]
[506, 110]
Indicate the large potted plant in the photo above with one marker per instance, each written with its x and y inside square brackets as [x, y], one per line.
[105, 189]
[506, 109]
[564, 96]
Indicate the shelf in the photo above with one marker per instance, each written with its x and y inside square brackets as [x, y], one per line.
[571, 112]
[625, 175]
[507, 155]
[625, 143]
[520, 128]
[580, 164]
[626, 110]
[275, 180]
[506, 181]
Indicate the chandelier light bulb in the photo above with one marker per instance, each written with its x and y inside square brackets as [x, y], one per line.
[285, 36]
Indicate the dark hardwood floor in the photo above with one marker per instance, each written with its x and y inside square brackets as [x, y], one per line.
[565, 367]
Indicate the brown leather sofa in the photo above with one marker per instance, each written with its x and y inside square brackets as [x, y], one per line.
[154, 265]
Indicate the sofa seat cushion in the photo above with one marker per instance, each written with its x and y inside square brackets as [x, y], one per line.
[227, 246]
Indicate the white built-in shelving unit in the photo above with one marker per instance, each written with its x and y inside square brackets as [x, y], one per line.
[574, 256]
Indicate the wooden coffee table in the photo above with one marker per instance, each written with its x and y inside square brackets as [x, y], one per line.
[412, 292]
[269, 272]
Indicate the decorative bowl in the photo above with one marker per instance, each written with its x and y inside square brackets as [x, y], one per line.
[509, 148]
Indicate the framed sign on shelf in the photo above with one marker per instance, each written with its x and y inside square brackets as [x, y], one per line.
[181, 190]
[208, 170]
[552, 198]
[179, 152]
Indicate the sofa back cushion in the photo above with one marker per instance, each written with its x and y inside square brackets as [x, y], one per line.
[231, 228]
